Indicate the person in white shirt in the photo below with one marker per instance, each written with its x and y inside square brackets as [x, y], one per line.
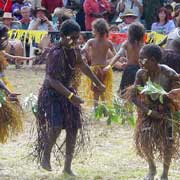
[136, 6]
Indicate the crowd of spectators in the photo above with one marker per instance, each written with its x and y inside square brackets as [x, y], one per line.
[156, 15]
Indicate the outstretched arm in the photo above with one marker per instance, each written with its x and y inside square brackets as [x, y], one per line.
[121, 53]
[18, 57]
[4, 87]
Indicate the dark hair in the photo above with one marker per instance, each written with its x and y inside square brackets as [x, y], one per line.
[3, 30]
[68, 27]
[136, 32]
[168, 6]
[101, 26]
[84, 35]
[163, 9]
[152, 50]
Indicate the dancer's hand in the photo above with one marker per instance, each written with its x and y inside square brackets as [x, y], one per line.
[155, 114]
[105, 69]
[13, 96]
[76, 100]
[101, 87]
[174, 94]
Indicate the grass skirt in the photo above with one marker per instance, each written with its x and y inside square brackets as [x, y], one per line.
[10, 120]
[87, 88]
[154, 136]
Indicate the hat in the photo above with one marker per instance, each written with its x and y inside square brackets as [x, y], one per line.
[7, 15]
[40, 9]
[128, 13]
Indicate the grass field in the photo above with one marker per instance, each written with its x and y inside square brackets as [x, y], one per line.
[111, 156]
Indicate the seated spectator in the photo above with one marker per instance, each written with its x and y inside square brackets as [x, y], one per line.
[136, 6]
[50, 5]
[41, 22]
[26, 17]
[16, 8]
[128, 18]
[163, 25]
[8, 20]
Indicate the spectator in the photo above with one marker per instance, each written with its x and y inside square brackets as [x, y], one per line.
[136, 6]
[50, 5]
[59, 16]
[6, 5]
[16, 8]
[8, 20]
[169, 11]
[128, 18]
[26, 17]
[163, 25]
[95, 9]
[35, 3]
[41, 22]
[151, 8]
[176, 14]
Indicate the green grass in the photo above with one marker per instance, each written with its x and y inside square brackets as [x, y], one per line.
[111, 156]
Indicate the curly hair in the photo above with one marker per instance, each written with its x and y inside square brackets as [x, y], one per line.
[136, 32]
[101, 26]
[152, 50]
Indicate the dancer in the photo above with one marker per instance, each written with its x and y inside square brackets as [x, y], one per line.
[58, 103]
[98, 49]
[155, 131]
[10, 110]
[128, 54]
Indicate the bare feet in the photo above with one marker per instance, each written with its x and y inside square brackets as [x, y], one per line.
[151, 175]
[45, 164]
[164, 177]
[69, 172]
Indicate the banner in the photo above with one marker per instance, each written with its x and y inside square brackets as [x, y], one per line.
[150, 37]
[28, 36]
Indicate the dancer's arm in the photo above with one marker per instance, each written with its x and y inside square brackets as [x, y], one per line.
[87, 71]
[62, 90]
[4, 87]
[121, 53]
[18, 57]
[138, 102]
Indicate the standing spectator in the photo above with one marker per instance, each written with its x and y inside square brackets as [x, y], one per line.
[163, 25]
[136, 6]
[16, 8]
[151, 8]
[50, 5]
[8, 20]
[41, 22]
[95, 9]
[26, 17]
[6, 5]
[35, 3]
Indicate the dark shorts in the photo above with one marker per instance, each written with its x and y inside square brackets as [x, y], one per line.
[128, 76]
[57, 110]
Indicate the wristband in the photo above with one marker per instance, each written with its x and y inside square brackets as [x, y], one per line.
[149, 112]
[70, 96]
